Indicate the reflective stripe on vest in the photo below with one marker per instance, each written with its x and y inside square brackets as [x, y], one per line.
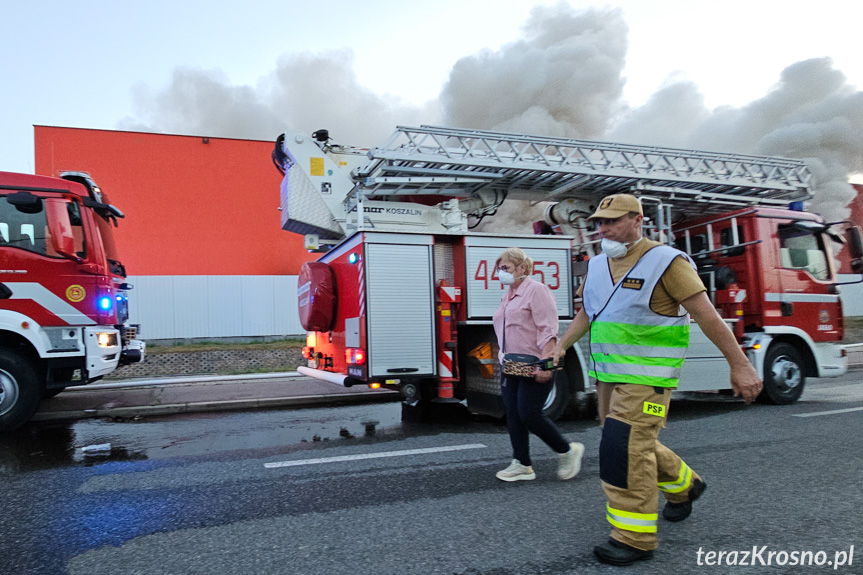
[629, 521]
[681, 483]
[629, 342]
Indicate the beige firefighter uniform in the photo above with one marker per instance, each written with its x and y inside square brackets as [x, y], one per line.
[638, 339]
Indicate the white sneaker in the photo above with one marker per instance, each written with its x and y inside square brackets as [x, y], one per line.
[570, 462]
[516, 472]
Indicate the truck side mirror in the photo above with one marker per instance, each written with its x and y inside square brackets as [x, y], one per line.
[855, 247]
[60, 228]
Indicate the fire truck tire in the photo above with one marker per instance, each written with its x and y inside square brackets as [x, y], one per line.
[564, 399]
[559, 398]
[20, 392]
[783, 375]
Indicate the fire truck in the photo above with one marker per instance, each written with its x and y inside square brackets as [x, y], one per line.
[403, 294]
[63, 295]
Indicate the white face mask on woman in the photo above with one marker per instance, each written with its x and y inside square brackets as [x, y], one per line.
[506, 278]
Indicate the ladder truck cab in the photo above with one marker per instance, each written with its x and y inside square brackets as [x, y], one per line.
[63, 303]
[404, 291]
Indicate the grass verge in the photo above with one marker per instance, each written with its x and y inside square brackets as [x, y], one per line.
[287, 343]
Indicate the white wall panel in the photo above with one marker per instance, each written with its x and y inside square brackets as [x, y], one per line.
[191, 314]
[852, 295]
[175, 307]
[257, 304]
[224, 310]
[152, 301]
[285, 304]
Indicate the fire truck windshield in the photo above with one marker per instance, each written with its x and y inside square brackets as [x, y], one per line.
[24, 228]
[106, 230]
[27, 227]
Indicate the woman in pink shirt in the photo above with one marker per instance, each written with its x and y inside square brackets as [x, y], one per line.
[526, 323]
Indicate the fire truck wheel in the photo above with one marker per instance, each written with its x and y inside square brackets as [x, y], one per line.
[783, 375]
[19, 391]
[558, 399]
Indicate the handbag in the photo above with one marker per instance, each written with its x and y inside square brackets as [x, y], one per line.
[519, 364]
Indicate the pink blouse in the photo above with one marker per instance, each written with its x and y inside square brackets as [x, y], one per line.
[530, 317]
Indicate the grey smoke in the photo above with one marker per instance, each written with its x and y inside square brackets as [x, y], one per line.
[562, 77]
[201, 102]
[812, 114]
[305, 92]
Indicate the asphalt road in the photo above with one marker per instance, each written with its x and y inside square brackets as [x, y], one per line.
[322, 491]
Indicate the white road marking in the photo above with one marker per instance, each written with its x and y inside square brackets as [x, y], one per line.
[842, 393]
[358, 457]
[817, 413]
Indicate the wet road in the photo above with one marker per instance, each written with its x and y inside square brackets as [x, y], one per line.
[320, 490]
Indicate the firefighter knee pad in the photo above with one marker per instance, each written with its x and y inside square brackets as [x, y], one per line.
[614, 453]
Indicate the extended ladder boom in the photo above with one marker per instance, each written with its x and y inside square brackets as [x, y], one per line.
[431, 160]
[474, 171]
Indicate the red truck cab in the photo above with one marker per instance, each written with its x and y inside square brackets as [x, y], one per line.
[63, 303]
[773, 273]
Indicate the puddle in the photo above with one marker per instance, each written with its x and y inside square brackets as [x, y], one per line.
[44, 445]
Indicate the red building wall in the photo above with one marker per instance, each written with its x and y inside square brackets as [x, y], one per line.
[193, 205]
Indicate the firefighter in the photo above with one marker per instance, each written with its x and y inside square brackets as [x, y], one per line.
[632, 297]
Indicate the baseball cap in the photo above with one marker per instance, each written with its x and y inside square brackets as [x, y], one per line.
[616, 206]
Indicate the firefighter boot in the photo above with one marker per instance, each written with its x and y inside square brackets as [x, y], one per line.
[680, 511]
[616, 553]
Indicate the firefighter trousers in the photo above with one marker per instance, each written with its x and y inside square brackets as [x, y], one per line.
[633, 465]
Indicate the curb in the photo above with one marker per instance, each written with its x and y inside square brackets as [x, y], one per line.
[214, 406]
[204, 379]
[854, 353]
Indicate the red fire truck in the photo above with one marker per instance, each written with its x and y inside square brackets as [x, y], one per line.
[63, 304]
[403, 294]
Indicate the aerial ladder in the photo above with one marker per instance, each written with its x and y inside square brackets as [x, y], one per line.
[472, 172]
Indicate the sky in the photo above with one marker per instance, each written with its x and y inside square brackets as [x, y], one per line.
[755, 76]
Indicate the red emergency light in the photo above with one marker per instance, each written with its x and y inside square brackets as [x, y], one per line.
[355, 356]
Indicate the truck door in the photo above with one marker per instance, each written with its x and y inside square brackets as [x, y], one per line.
[805, 277]
[400, 310]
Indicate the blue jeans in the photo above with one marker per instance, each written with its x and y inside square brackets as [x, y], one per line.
[523, 398]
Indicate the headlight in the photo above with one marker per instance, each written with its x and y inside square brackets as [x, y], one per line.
[107, 339]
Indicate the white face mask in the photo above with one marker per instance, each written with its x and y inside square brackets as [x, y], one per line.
[614, 249]
[506, 278]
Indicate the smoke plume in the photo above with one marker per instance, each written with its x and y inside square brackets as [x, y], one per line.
[305, 92]
[810, 114]
[562, 77]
